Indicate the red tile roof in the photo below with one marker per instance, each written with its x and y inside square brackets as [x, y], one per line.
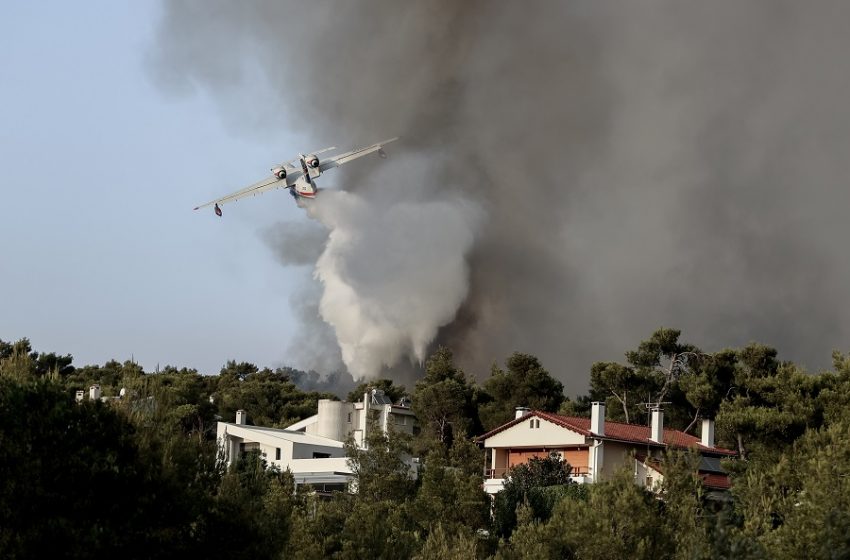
[716, 480]
[615, 431]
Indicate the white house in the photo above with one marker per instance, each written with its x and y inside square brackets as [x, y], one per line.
[339, 419]
[596, 448]
[313, 449]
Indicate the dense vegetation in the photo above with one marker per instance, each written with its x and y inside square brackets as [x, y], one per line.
[140, 476]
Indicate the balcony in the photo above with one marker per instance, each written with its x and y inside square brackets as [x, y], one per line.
[494, 479]
[499, 473]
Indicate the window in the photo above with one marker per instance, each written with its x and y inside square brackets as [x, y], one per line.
[534, 423]
[349, 418]
[317, 455]
[277, 454]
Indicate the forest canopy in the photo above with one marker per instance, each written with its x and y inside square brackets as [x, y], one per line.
[140, 476]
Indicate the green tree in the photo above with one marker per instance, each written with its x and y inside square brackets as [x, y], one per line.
[525, 382]
[317, 528]
[268, 396]
[445, 402]
[617, 519]
[250, 513]
[16, 363]
[525, 483]
[799, 506]
[706, 386]
[451, 497]
[390, 389]
[770, 405]
[579, 407]
[379, 529]
[374, 521]
[445, 545]
[76, 475]
[684, 510]
[652, 375]
[381, 470]
[610, 379]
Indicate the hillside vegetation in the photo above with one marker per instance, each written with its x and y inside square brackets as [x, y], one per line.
[140, 476]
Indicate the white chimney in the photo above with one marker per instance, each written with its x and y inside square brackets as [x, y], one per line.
[240, 416]
[94, 392]
[707, 433]
[597, 418]
[657, 425]
[80, 396]
[521, 411]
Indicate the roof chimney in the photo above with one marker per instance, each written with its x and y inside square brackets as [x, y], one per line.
[94, 392]
[521, 411]
[597, 418]
[240, 416]
[657, 434]
[80, 396]
[707, 432]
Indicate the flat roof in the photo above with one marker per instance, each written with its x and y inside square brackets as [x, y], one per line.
[287, 435]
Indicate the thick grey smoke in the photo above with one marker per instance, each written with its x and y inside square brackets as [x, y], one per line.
[639, 163]
[295, 243]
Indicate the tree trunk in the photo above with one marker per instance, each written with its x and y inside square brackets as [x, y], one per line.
[742, 453]
[693, 422]
[623, 402]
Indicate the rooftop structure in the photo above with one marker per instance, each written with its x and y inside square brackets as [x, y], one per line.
[313, 449]
[595, 447]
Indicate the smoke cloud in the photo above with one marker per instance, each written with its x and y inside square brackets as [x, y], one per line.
[609, 168]
[392, 274]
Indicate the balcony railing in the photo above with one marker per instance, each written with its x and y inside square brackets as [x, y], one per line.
[500, 472]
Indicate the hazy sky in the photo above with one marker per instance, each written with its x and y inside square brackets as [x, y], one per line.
[102, 255]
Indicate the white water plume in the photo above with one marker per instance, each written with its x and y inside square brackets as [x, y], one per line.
[393, 273]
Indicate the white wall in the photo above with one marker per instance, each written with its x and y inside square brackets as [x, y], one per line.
[270, 452]
[523, 435]
[334, 464]
[333, 419]
[643, 471]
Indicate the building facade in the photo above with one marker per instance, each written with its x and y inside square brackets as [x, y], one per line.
[314, 448]
[596, 448]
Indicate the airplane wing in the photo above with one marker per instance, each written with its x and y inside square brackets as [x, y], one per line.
[266, 184]
[340, 159]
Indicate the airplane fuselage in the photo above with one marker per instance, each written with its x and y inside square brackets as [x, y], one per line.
[304, 186]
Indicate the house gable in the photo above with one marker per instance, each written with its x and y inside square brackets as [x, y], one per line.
[533, 430]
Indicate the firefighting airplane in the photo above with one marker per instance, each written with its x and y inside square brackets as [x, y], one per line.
[301, 182]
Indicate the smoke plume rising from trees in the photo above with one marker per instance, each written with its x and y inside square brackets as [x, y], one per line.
[633, 164]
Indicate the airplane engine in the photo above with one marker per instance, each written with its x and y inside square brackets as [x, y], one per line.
[312, 166]
[279, 172]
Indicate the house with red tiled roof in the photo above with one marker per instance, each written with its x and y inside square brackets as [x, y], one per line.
[596, 448]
